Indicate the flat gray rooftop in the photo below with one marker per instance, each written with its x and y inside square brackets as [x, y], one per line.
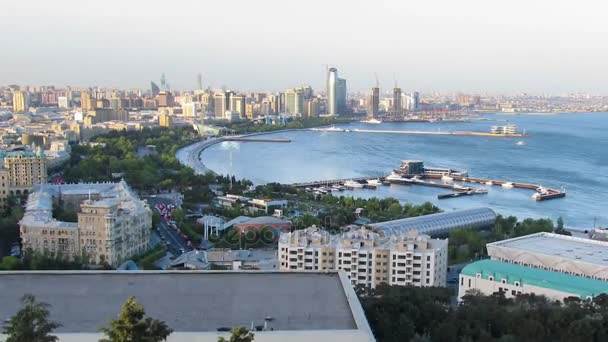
[186, 301]
[577, 249]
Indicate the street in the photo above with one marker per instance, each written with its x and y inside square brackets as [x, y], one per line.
[176, 242]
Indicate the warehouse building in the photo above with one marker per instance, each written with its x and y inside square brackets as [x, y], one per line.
[553, 265]
[440, 223]
[197, 305]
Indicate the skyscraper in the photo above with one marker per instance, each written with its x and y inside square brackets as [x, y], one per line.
[221, 103]
[154, 89]
[332, 96]
[374, 102]
[341, 91]
[397, 106]
[199, 81]
[86, 101]
[294, 101]
[20, 104]
[237, 104]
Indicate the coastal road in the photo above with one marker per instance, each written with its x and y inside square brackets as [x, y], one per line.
[176, 241]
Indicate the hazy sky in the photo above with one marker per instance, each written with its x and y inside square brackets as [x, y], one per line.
[446, 45]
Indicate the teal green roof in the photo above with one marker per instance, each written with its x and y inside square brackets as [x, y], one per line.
[21, 153]
[580, 286]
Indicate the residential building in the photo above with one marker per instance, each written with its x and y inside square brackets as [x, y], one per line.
[113, 223]
[237, 104]
[165, 99]
[189, 110]
[20, 101]
[221, 103]
[397, 106]
[197, 305]
[367, 257]
[165, 120]
[20, 171]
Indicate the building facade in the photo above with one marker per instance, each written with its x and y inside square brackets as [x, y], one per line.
[553, 265]
[113, 224]
[366, 257]
[20, 171]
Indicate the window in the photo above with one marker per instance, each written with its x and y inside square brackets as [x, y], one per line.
[504, 281]
[469, 282]
[490, 278]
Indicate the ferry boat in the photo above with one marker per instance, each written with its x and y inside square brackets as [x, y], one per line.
[353, 184]
[371, 121]
[504, 130]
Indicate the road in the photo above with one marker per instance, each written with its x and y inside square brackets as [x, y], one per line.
[176, 241]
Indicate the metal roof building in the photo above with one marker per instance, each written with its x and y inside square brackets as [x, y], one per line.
[490, 276]
[440, 223]
[560, 253]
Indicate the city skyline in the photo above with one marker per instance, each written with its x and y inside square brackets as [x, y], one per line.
[428, 47]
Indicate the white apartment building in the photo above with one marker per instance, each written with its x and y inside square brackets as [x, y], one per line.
[366, 257]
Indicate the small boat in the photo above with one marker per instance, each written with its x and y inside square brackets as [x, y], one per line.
[520, 143]
[507, 185]
[489, 183]
[374, 182]
[371, 121]
[447, 179]
[353, 184]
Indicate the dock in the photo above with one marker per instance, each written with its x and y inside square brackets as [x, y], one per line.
[331, 182]
[545, 194]
[449, 133]
[244, 139]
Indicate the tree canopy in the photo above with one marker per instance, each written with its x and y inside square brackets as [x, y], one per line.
[132, 325]
[238, 334]
[31, 323]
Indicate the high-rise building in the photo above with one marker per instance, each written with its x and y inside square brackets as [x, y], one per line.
[165, 99]
[154, 89]
[237, 104]
[294, 101]
[221, 103]
[367, 258]
[341, 91]
[20, 103]
[86, 101]
[63, 102]
[164, 119]
[374, 102]
[397, 106]
[332, 91]
[189, 110]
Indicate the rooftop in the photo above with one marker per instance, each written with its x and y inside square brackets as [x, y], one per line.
[580, 286]
[439, 223]
[190, 301]
[577, 249]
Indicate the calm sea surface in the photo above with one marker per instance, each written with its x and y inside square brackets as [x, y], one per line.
[567, 150]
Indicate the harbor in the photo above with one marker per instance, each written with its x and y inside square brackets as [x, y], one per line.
[413, 172]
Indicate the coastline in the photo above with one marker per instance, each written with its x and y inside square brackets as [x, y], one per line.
[190, 155]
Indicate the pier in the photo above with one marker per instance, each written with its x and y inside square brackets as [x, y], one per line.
[449, 133]
[542, 193]
[245, 139]
[331, 182]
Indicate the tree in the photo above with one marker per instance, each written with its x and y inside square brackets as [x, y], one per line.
[31, 323]
[239, 334]
[132, 325]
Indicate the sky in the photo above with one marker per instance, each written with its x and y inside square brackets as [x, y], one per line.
[474, 46]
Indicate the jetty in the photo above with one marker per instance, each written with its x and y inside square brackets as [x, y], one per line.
[448, 133]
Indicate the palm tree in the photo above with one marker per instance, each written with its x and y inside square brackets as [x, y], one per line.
[238, 334]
